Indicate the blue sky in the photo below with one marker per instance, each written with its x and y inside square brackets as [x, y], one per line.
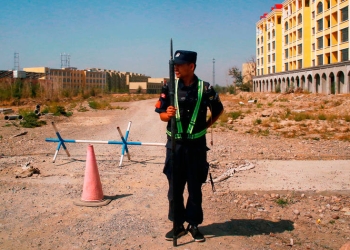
[130, 35]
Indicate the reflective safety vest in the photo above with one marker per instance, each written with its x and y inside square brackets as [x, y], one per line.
[190, 136]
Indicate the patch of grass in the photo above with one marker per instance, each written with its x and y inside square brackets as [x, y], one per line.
[257, 121]
[337, 103]
[249, 112]
[301, 117]
[82, 108]
[265, 132]
[31, 120]
[270, 104]
[322, 117]
[0, 137]
[235, 115]
[283, 100]
[347, 118]
[332, 222]
[7, 125]
[103, 104]
[57, 110]
[282, 202]
[259, 105]
[120, 107]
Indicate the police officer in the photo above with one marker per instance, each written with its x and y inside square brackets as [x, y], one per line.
[191, 99]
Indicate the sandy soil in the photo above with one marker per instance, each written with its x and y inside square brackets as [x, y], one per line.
[285, 192]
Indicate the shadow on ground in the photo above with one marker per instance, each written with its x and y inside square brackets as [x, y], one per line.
[245, 227]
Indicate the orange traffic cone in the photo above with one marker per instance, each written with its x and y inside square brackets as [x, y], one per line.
[92, 189]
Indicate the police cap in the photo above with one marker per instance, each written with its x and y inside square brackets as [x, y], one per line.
[185, 56]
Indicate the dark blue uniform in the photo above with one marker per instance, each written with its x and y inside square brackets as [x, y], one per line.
[190, 161]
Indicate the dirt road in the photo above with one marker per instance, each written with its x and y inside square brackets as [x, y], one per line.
[303, 204]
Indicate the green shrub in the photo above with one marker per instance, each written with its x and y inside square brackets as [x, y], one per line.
[235, 115]
[322, 117]
[257, 121]
[31, 120]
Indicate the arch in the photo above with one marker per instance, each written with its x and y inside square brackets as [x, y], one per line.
[300, 18]
[292, 82]
[274, 85]
[288, 84]
[297, 80]
[286, 26]
[271, 85]
[332, 83]
[302, 82]
[317, 83]
[340, 82]
[324, 82]
[309, 83]
[319, 7]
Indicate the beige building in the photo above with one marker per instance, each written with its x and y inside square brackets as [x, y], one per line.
[152, 86]
[71, 78]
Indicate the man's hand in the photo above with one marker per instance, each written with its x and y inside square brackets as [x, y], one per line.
[170, 112]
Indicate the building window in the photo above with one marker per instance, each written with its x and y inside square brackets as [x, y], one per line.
[262, 61]
[269, 36]
[286, 25]
[258, 51]
[300, 33]
[273, 57]
[313, 30]
[320, 60]
[262, 71]
[262, 39]
[300, 19]
[257, 61]
[300, 49]
[268, 70]
[286, 53]
[300, 64]
[344, 55]
[319, 8]
[319, 24]
[273, 45]
[273, 33]
[268, 59]
[273, 69]
[262, 50]
[258, 41]
[313, 14]
[344, 35]
[313, 46]
[286, 66]
[269, 46]
[286, 39]
[307, 3]
[320, 42]
[344, 14]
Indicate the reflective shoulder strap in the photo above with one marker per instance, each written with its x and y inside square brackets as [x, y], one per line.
[177, 116]
[198, 104]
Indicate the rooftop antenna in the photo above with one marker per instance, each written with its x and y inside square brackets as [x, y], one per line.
[65, 60]
[16, 61]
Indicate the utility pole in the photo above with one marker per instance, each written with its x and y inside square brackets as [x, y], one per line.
[213, 71]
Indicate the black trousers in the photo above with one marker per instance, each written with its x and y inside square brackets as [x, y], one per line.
[191, 167]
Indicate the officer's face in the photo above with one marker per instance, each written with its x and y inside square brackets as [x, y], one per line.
[184, 70]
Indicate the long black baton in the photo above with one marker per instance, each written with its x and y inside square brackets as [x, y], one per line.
[173, 145]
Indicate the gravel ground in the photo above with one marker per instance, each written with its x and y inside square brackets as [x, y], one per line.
[271, 191]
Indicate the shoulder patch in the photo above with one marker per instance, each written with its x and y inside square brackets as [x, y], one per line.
[158, 104]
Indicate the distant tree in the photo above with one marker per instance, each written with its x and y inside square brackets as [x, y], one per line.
[236, 74]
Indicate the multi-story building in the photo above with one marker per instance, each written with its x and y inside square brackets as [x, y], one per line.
[305, 44]
[71, 78]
